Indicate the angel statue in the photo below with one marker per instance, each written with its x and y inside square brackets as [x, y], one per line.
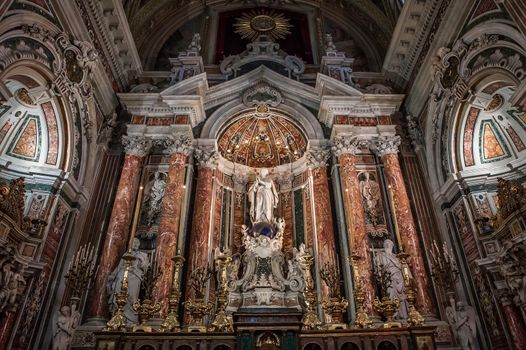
[462, 319]
[263, 198]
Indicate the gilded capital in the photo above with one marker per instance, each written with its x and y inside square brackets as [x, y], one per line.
[206, 157]
[136, 145]
[347, 145]
[318, 157]
[384, 145]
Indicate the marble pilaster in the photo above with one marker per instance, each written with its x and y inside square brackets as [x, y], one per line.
[345, 148]
[515, 322]
[317, 161]
[6, 328]
[179, 147]
[115, 244]
[387, 149]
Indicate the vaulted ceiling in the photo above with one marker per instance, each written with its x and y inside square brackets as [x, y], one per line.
[369, 23]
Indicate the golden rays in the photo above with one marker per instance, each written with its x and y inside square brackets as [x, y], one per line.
[262, 22]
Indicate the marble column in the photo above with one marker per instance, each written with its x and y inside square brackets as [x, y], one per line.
[179, 146]
[387, 149]
[317, 162]
[199, 240]
[115, 244]
[515, 322]
[345, 148]
[6, 328]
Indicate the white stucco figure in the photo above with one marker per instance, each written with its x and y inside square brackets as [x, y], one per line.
[138, 269]
[156, 197]
[388, 261]
[263, 198]
[462, 319]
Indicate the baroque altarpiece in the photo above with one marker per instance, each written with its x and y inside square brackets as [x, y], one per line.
[262, 175]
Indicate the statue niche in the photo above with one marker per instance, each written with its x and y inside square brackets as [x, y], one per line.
[264, 282]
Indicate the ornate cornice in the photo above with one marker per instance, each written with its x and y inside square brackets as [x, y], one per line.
[111, 30]
[136, 145]
[384, 145]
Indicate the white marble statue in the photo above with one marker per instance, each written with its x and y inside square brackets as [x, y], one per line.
[263, 198]
[66, 321]
[462, 319]
[388, 261]
[137, 270]
[156, 197]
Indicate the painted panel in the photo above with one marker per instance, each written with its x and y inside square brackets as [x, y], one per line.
[468, 136]
[492, 146]
[27, 142]
[51, 120]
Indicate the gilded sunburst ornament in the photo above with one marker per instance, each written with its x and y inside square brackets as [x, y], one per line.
[263, 22]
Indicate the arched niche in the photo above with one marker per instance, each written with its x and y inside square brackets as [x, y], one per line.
[461, 121]
[349, 346]
[35, 128]
[312, 346]
[386, 345]
[59, 70]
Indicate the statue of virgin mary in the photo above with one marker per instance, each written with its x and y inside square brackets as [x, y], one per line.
[263, 198]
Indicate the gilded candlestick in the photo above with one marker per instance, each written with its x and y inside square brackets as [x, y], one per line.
[362, 319]
[171, 322]
[414, 318]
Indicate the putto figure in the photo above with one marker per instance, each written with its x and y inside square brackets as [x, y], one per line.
[263, 198]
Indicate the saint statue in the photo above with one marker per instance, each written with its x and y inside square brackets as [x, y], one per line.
[263, 198]
[462, 319]
[390, 263]
[66, 321]
[156, 197]
[370, 191]
[136, 273]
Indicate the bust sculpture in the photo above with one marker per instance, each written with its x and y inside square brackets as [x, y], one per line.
[263, 198]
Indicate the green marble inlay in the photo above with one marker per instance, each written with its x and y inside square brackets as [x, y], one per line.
[299, 221]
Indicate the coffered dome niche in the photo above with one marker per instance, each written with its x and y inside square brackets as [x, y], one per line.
[262, 137]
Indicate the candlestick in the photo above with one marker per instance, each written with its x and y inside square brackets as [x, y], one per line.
[393, 215]
[135, 221]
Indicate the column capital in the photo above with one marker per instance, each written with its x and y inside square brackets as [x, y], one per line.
[206, 157]
[384, 145]
[347, 144]
[179, 143]
[136, 145]
[318, 157]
